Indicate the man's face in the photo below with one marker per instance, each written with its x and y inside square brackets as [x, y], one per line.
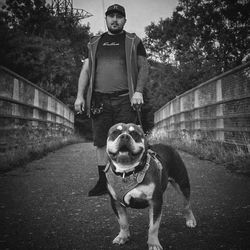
[115, 22]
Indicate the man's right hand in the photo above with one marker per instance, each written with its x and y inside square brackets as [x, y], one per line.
[79, 105]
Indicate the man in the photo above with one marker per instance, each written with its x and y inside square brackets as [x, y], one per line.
[114, 75]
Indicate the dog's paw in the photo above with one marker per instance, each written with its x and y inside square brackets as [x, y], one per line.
[155, 247]
[190, 220]
[191, 223]
[154, 244]
[121, 239]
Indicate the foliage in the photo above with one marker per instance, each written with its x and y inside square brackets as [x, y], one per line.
[206, 31]
[200, 40]
[42, 47]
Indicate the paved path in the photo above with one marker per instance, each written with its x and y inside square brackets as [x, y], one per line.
[44, 206]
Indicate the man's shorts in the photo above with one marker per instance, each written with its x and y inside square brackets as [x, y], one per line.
[115, 110]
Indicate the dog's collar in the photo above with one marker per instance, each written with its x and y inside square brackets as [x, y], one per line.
[143, 164]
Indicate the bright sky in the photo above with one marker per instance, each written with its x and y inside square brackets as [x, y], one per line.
[139, 13]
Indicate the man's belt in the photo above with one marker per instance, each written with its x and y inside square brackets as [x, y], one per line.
[113, 94]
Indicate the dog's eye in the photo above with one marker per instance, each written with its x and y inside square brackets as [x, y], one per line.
[115, 134]
[136, 136]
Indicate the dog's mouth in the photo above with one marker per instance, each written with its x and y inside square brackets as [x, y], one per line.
[125, 155]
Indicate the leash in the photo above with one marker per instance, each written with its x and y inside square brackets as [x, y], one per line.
[138, 112]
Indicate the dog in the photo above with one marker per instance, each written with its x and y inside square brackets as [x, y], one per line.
[137, 176]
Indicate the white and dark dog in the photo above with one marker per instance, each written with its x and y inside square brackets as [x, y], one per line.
[137, 176]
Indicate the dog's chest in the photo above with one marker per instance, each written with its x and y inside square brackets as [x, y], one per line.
[124, 190]
[141, 192]
[122, 185]
[139, 186]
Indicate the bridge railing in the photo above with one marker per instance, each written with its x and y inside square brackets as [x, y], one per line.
[30, 116]
[216, 110]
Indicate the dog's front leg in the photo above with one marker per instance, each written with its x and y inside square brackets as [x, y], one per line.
[154, 224]
[121, 215]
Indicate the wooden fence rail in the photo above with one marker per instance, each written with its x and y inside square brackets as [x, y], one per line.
[216, 110]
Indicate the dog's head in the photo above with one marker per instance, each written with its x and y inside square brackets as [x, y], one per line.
[126, 145]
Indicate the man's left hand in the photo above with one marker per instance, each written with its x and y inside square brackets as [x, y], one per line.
[137, 99]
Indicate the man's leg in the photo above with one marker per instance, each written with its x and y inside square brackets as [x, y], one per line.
[100, 125]
[101, 186]
[101, 155]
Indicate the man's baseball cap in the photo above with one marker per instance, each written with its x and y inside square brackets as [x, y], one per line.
[116, 8]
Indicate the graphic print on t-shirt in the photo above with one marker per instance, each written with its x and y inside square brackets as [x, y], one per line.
[110, 44]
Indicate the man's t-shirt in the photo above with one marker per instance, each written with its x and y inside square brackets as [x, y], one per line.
[111, 72]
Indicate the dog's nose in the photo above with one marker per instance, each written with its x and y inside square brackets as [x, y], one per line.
[124, 137]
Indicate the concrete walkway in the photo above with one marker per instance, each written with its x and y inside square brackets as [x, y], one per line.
[45, 206]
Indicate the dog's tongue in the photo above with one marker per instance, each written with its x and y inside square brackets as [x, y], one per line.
[123, 157]
[123, 153]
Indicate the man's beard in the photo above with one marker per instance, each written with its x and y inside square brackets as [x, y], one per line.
[115, 31]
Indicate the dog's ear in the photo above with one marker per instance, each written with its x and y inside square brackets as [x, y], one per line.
[144, 137]
[140, 127]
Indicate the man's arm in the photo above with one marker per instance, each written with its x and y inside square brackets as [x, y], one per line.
[142, 74]
[82, 84]
[141, 80]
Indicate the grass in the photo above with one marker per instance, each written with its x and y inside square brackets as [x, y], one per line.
[236, 158]
[26, 153]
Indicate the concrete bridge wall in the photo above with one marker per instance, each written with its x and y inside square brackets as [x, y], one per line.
[31, 119]
[217, 110]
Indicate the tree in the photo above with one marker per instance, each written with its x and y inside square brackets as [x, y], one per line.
[203, 32]
[42, 47]
[202, 39]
